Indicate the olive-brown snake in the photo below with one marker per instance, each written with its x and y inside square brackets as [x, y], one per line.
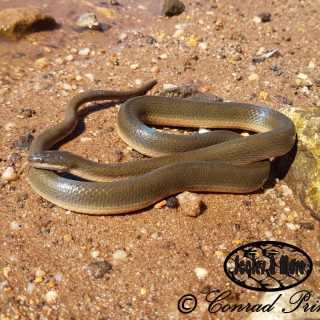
[220, 161]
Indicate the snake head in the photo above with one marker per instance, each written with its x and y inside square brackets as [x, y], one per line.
[52, 160]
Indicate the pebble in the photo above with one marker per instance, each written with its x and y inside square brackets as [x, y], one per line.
[163, 56]
[134, 66]
[51, 296]
[67, 86]
[201, 273]
[151, 40]
[8, 126]
[30, 287]
[88, 21]
[41, 62]
[23, 143]
[160, 204]
[95, 254]
[84, 52]
[253, 77]
[287, 192]
[172, 202]
[312, 65]
[27, 113]
[120, 256]
[193, 42]
[70, 57]
[265, 16]
[122, 36]
[14, 225]
[172, 8]
[190, 203]
[178, 33]
[292, 226]
[58, 276]
[78, 78]
[98, 269]
[169, 86]
[90, 76]
[40, 273]
[203, 45]
[9, 174]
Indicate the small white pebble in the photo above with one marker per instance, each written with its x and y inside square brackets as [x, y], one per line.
[9, 174]
[84, 52]
[85, 139]
[292, 226]
[40, 273]
[286, 209]
[302, 76]
[138, 82]
[268, 234]
[58, 276]
[78, 77]
[253, 77]
[122, 36]
[95, 254]
[287, 192]
[203, 45]
[120, 256]
[51, 296]
[201, 273]
[256, 20]
[90, 76]
[178, 34]
[245, 134]
[8, 126]
[143, 230]
[67, 86]
[203, 130]
[154, 236]
[163, 56]
[169, 86]
[311, 65]
[69, 57]
[134, 66]
[14, 225]
[30, 287]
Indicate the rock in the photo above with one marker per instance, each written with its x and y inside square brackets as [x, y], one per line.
[188, 91]
[99, 268]
[190, 203]
[23, 143]
[120, 256]
[201, 273]
[16, 22]
[9, 174]
[304, 176]
[265, 16]
[88, 21]
[51, 296]
[172, 8]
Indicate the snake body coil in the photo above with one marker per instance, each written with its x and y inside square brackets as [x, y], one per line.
[220, 161]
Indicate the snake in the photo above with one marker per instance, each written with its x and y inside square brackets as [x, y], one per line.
[217, 161]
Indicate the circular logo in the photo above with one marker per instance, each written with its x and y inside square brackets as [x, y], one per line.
[268, 266]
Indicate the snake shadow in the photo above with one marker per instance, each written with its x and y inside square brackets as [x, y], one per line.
[280, 166]
[82, 114]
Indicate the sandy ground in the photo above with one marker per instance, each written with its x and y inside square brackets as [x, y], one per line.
[45, 251]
